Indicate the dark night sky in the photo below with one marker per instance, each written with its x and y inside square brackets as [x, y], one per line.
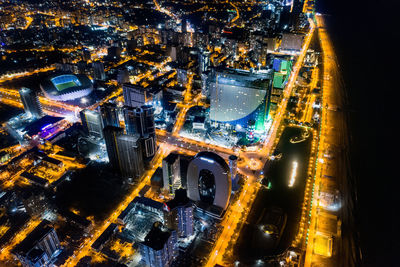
[364, 35]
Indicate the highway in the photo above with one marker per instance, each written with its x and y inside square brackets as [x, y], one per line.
[334, 137]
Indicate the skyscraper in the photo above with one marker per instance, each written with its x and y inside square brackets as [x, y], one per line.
[109, 114]
[171, 172]
[159, 247]
[92, 122]
[130, 156]
[111, 134]
[31, 102]
[130, 120]
[98, 71]
[124, 152]
[181, 214]
[146, 130]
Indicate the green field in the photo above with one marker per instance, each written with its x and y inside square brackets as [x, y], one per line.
[62, 86]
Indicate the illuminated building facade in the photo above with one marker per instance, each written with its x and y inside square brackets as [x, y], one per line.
[238, 96]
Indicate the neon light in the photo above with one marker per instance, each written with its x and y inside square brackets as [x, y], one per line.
[208, 160]
[293, 175]
[45, 127]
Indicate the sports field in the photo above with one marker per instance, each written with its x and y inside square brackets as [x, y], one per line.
[62, 86]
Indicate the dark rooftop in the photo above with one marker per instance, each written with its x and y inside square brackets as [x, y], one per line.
[156, 238]
[30, 241]
[179, 200]
[171, 158]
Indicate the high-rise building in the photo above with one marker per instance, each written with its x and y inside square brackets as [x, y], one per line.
[124, 152]
[98, 71]
[181, 214]
[31, 102]
[238, 96]
[39, 247]
[130, 120]
[204, 61]
[92, 122]
[171, 172]
[147, 131]
[111, 134]
[130, 156]
[159, 247]
[141, 121]
[109, 114]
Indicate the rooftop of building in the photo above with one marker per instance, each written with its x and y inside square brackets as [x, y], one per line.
[30, 240]
[179, 200]
[38, 125]
[156, 238]
[171, 158]
[148, 202]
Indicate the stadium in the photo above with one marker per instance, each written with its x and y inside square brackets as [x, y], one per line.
[237, 97]
[66, 87]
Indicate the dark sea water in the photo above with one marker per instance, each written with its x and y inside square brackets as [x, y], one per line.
[363, 33]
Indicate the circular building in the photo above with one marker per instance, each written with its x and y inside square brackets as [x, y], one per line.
[209, 180]
[66, 87]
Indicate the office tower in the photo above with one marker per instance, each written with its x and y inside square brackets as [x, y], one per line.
[130, 120]
[146, 130]
[130, 156]
[204, 61]
[123, 76]
[159, 247]
[109, 114]
[92, 122]
[39, 247]
[31, 102]
[110, 134]
[124, 152]
[181, 214]
[171, 172]
[98, 71]
[238, 96]
[140, 120]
